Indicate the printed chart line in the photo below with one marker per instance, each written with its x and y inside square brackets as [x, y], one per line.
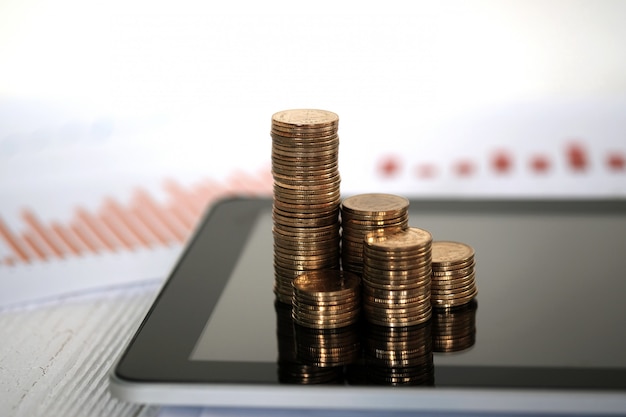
[142, 223]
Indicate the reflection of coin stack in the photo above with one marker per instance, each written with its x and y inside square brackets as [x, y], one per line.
[290, 369]
[327, 347]
[364, 213]
[396, 277]
[306, 233]
[453, 282]
[454, 329]
[328, 299]
[399, 355]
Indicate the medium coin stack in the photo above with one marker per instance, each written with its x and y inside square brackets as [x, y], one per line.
[453, 276]
[454, 329]
[365, 213]
[399, 355]
[327, 299]
[396, 277]
[305, 147]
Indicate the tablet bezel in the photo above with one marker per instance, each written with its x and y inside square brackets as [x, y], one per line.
[156, 365]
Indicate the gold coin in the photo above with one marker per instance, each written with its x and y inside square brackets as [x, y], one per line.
[303, 135]
[397, 275]
[304, 162]
[305, 118]
[437, 292]
[315, 303]
[304, 196]
[306, 243]
[395, 294]
[452, 292]
[307, 265]
[397, 262]
[308, 214]
[299, 254]
[325, 299]
[329, 154]
[405, 310]
[286, 219]
[411, 238]
[376, 204]
[369, 299]
[309, 186]
[304, 234]
[330, 282]
[395, 287]
[394, 272]
[452, 273]
[318, 146]
[454, 302]
[325, 177]
[310, 316]
[303, 166]
[311, 148]
[307, 207]
[399, 351]
[449, 253]
[452, 284]
[298, 223]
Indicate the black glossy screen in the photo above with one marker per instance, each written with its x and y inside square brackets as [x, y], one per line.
[549, 310]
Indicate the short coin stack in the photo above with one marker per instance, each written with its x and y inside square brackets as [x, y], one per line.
[305, 211]
[364, 213]
[396, 277]
[453, 282]
[328, 299]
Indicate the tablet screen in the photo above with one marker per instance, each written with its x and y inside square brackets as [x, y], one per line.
[550, 287]
[242, 326]
[549, 310]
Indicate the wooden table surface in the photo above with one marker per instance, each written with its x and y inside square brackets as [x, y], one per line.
[55, 358]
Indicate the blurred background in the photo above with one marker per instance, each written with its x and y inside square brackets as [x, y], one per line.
[110, 109]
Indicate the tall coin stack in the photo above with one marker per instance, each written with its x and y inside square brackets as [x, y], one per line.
[397, 277]
[364, 213]
[305, 148]
[453, 282]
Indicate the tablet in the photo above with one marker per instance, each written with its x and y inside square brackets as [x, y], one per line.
[545, 334]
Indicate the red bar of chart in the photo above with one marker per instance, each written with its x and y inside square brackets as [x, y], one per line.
[143, 222]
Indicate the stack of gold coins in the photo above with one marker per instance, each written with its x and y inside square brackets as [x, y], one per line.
[365, 213]
[399, 355]
[328, 299]
[453, 278]
[327, 347]
[396, 277]
[454, 329]
[291, 370]
[305, 147]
